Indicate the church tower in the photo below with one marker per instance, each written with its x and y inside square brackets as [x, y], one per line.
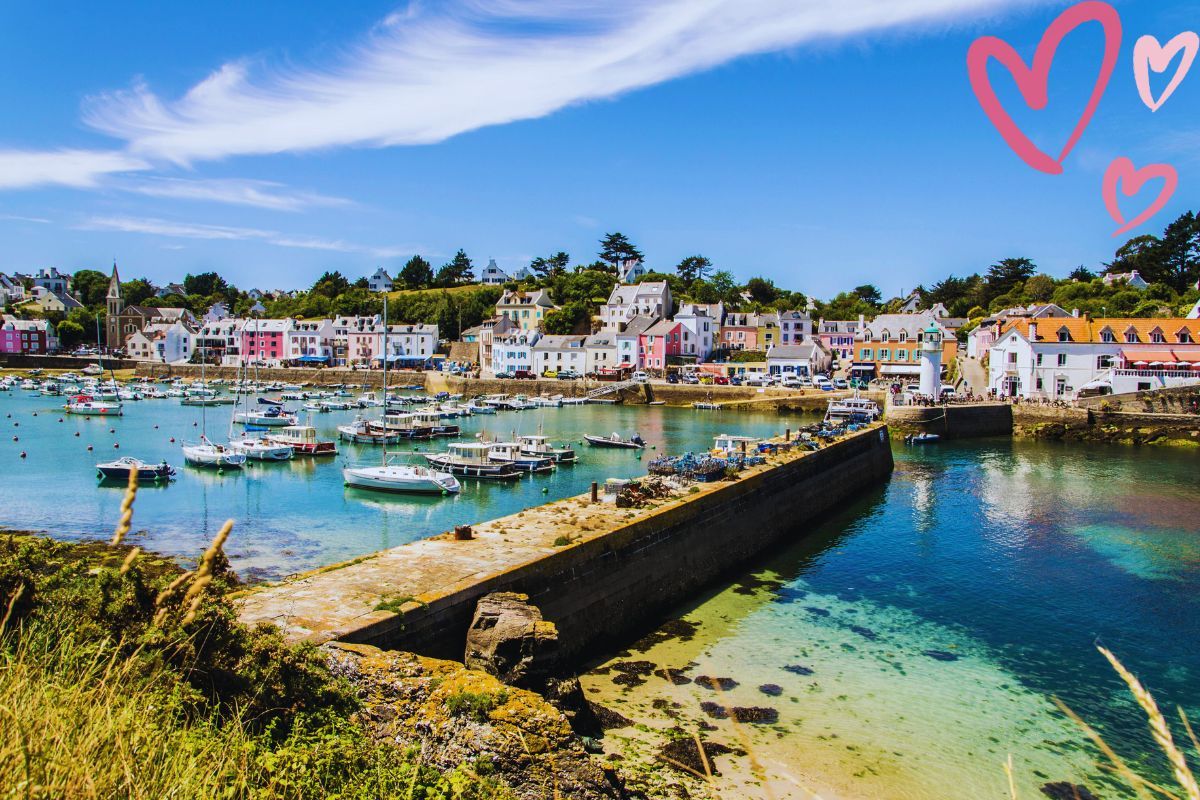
[116, 304]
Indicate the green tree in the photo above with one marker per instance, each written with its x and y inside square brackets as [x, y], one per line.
[362, 283]
[1081, 273]
[89, 287]
[868, 294]
[693, 268]
[615, 248]
[1039, 288]
[725, 288]
[552, 267]
[136, 292]
[206, 283]
[1180, 253]
[330, 285]
[1006, 274]
[70, 334]
[574, 317]
[417, 273]
[457, 271]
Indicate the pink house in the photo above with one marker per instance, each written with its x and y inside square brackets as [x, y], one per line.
[25, 335]
[660, 341]
[264, 340]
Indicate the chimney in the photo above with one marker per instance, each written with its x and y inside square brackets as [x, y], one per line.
[1033, 331]
[1075, 313]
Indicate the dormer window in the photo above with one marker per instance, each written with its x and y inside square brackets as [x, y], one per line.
[1064, 335]
[1185, 336]
[1131, 336]
[1108, 336]
[1157, 337]
[885, 337]
[903, 336]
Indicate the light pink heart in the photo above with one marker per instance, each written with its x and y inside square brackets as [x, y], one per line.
[1033, 81]
[1122, 171]
[1148, 55]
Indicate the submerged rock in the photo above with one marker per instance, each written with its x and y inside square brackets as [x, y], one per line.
[714, 710]
[798, 669]
[771, 689]
[820, 612]
[941, 655]
[509, 639]
[421, 703]
[1062, 790]
[675, 676]
[758, 715]
[716, 684]
[683, 753]
[866, 633]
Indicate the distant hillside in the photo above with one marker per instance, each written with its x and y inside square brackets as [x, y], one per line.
[453, 309]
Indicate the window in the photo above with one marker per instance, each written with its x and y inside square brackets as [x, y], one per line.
[902, 355]
[867, 354]
[1185, 337]
[885, 354]
[1064, 335]
[1107, 336]
[1062, 359]
[1039, 359]
[1012, 358]
[1157, 337]
[903, 336]
[1039, 383]
[885, 337]
[1104, 362]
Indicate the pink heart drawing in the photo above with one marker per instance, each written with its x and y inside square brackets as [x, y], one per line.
[1148, 55]
[1122, 171]
[1033, 81]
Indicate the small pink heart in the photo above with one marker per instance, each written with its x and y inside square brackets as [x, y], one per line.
[1121, 170]
[1148, 55]
[1032, 81]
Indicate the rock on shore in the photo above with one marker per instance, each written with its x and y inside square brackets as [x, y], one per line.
[457, 716]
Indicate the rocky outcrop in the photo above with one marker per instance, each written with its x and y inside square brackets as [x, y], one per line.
[509, 639]
[457, 716]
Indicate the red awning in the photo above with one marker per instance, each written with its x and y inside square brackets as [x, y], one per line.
[1147, 356]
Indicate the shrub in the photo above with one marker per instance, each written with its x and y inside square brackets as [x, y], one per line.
[476, 705]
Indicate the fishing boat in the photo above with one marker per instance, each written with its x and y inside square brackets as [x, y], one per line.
[472, 460]
[476, 407]
[257, 449]
[363, 431]
[147, 473]
[335, 405]
[510, 453]
[86, 405]
[922, 438]
[634, 442]
[433, 419]
[303, 440]
[207, 453]
[540, 446]
[271, 417]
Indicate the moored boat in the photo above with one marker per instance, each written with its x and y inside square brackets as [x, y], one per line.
[207, 453]
[510, 453]
[402, 479]
[364, 431]
[852, 409]
[261, 450]
[146, 472]
[87, 406]
[634, 442]
[471, 460]
[303, 440]
[540, 446]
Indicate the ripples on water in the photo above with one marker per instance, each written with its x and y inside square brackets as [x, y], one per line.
[914, 640]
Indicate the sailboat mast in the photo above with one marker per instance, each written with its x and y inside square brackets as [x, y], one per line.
[385, 380]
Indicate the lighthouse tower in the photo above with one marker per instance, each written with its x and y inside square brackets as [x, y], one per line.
[931, 362]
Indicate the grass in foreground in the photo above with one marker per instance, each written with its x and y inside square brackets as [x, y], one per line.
[118, 682]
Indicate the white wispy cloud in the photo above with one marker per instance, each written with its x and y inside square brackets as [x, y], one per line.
[21, 169]
[21, 218]
[196, 230]
[235, 191]
[429, 73]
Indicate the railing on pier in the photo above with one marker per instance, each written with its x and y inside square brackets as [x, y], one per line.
[611, 387]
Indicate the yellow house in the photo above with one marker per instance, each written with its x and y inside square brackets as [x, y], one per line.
[526, 309]
[768, 331]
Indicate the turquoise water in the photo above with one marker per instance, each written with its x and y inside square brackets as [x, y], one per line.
[297, 515]
[933, 620]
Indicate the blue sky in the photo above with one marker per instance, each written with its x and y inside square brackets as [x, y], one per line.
[821, 143]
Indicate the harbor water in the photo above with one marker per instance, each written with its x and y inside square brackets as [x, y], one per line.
[911, 643]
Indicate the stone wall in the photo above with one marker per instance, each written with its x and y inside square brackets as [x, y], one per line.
[952, 422]
[1178, 400]
[327, 376]
[1117, 427]
[602, 590]
[31, 361]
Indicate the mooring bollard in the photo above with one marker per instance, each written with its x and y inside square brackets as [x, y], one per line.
[462, 533]
[787, 435]
[595, 492]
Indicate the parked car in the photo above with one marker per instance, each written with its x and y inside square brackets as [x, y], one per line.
[792, 382]
[568, 375]
[824, 384]
[507, 374]
[689, 378]
[760, 380]
[524, 375]
[720, 380]
[672, 377]
[841, 383]
[735, 380]
[640, 377]
[550, 374]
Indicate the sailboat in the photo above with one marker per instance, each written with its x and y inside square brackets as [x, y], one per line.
[402, 478]
[207, 453]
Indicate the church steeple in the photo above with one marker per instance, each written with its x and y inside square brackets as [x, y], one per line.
[114, 284]
[115, 305]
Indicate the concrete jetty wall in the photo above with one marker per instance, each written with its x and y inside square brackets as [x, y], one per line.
[952, 422]
[604, 588]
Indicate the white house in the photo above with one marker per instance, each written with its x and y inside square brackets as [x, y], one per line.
[411, 344]
[492, 275]
[652, 299]
[11, 290]
[171, 288]
[631, 270]
[600, 352]
[558, 353]
[380, 281]
[221, 340]
[699, 330]
[310, 341]
[1195, 312]
[164, 342]
[807, 359]
[1131, 279]
[795, 327]
[217, 311]
[1050, 358]
[630, 352]
[513, 351]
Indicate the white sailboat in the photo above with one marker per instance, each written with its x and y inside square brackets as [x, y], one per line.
[400, 478]
[207, 453]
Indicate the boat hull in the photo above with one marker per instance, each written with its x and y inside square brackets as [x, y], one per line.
[482, 472]
[600, 441]
[382, 479]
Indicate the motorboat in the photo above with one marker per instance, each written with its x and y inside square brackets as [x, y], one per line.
[92, 369]
[852, 409]
[433, 419]
[510, 453]
[540, 446]
[120, 469]
[303, 440]
[922, 438]
[210, 454]
[401, 478]
[271, 417]
[407, 426]
[475, 407]
[87, 406]
[261, 450]
[634, 442]
[335, 405]
[472, 460]
[364, 431]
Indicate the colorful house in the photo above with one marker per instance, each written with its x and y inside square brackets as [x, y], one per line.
[890, 346]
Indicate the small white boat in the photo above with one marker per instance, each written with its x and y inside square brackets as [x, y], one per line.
[922, 438]
[475, 407]
[86, 406]
[147, 473]
[854, 409]
[510, 453]
[363, 431]
[540, 446]
[260, 449]
[92, 369]
[303, 441]
[209, 454]
[471, 460]
[267, 419]
[401, 478]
